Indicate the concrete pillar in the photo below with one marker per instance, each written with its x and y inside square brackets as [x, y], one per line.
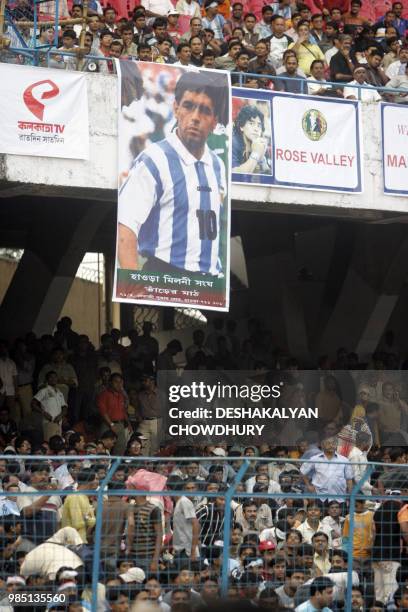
[274, 297]
[291, 305]
[370, 290]
[58, 239]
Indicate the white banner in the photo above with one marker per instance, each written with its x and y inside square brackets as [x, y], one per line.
[173, 236]
[43, 112]
[394, 126]
[316, 143]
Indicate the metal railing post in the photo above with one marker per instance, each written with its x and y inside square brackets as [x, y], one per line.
[354, 491]
[227, 526]
[56, 17]
[98, 530]
[35, 20]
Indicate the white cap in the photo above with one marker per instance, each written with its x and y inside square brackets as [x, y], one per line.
[68, 574]
[15, 580]
[134, 574]
[219, 452]
[67, 585]
[172, 12]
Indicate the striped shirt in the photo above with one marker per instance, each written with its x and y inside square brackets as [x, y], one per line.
[146, 517]
[211, 523]
[172, 202]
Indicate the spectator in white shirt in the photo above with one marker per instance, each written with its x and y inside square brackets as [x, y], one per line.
[366, 95]
[399, 82]
[312, 523]
[50, 403]
[333, 523]
[157, 8]
[186, 529]
[336, 46]
[358, 460]
[262, 470]
[398, 67]
[191, 8]
[279, 41]
[183, 54]
[39, 512]
[317, 74]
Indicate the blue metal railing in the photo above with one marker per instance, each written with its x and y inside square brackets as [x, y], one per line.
[115, 462]
[305, 82]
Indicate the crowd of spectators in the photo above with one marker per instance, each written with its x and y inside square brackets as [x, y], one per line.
[329, 43]
[61, 397]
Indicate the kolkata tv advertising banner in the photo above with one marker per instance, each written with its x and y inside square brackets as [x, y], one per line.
[43, 112]
[296, 141]
[174, 194]
[394, 126]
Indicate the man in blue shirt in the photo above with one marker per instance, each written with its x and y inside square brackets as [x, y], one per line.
[329, 474]
[321, 596]
[400, 23]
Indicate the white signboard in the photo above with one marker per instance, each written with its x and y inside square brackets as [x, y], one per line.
[43, 112]
[394, 126]
[316, 143]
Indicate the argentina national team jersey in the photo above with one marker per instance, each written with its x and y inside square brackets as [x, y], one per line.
[173, 203]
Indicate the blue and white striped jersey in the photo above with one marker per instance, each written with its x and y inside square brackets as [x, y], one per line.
[173, 203]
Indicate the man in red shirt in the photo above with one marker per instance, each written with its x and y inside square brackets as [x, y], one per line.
[112, 406]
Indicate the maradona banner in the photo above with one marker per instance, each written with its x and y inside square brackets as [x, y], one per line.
[43, 112]
[174, 196]
[304, 142]
[394, 126]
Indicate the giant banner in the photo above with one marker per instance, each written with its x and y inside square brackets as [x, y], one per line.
[394, 126]
[174, 196]
[43, 112]
[296, 141]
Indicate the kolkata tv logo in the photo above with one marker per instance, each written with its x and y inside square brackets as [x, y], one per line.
[314, 124]
[34, 93]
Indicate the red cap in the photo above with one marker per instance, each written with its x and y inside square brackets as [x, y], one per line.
[267, 545]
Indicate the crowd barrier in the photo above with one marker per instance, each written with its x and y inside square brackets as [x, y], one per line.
[46, 55]
[131, 472]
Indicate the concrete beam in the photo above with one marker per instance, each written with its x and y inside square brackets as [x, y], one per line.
[79, 179]
[55, 248]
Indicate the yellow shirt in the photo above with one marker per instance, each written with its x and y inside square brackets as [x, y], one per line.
[358, 412]
[78, 512]
[322, 563]
[306, 54]
[363, 533]
[358, 415]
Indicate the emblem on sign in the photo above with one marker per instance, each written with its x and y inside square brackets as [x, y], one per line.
[33, 103]
[314, 124]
